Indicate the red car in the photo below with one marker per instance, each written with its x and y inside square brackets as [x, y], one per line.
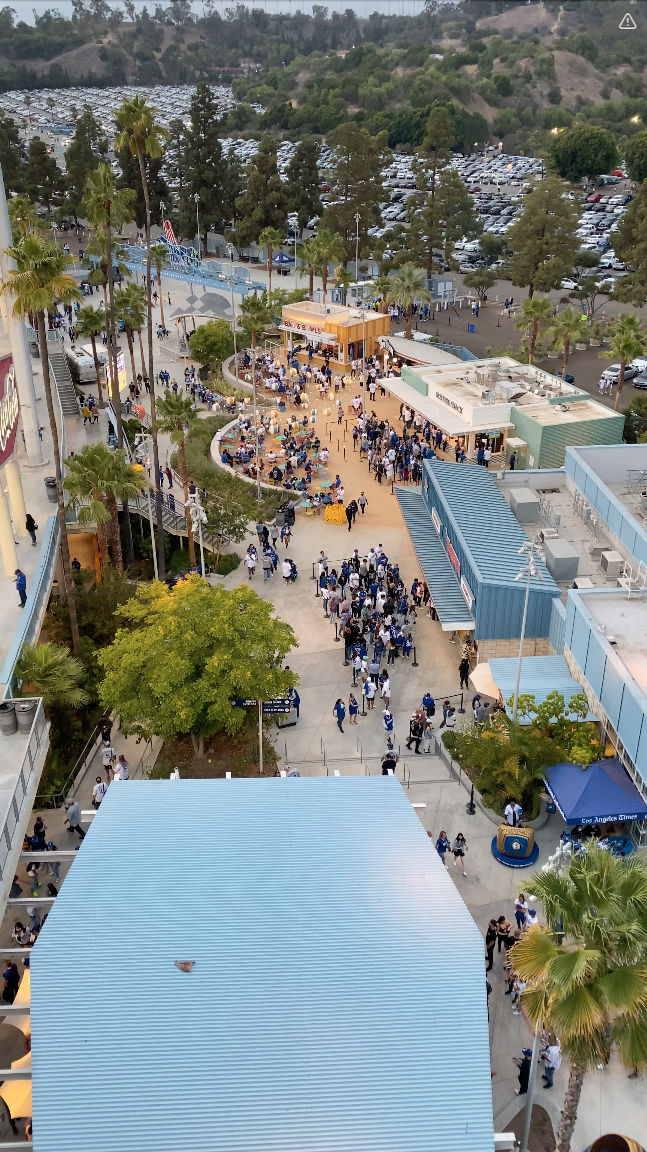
[619, 172]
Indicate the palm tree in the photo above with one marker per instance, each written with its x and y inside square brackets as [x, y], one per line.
[255, 315]
[176, 415]
[344, 278]
[22, 215]
[586, 976]
[143, 137]
[536, 313]
[96, 252]
[628, 340]
[159, 260]
[90, 323]
[96, 478]
[409, 285]
[130, 308]
[567, 328]
[383, 291]
[38, 280]
[269, 238]
[331, 248]
[310, 259]
[49, 671]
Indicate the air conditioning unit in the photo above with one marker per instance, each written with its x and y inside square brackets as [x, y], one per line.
[507, 391]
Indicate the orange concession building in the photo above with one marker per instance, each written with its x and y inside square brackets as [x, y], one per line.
[335, 328]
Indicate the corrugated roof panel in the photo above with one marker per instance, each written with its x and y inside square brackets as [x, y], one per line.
[489, 530]
[540, 675]
[327, 1009]
[449, 602]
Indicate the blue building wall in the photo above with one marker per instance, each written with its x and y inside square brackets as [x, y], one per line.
[557, 626]
[471, 516]
[606, 676]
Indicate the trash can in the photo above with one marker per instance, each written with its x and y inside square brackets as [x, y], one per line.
[279, 518]
[8, 718]
[50, 488]
[470, 327]
[286, 511]
[24, 713]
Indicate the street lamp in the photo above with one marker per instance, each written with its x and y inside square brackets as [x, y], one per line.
[198, 517]
[362, 313]
[143, 451]
[230, 250]
[197, 222]
[258, 473]
[162, 213]
[532, 553]
[357, 220]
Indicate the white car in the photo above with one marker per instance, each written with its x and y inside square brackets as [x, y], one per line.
[569, 285]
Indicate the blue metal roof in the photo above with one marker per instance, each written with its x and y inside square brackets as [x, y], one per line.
[540, 675]
[326, 1008]
[490, 532]
[449, 602]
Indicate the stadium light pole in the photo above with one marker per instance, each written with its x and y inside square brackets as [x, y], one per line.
[196, 197]
[532, 553]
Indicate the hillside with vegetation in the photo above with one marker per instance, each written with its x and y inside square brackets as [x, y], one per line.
[514, 71]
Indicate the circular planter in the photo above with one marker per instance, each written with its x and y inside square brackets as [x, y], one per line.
[594, 343]
[581, 347]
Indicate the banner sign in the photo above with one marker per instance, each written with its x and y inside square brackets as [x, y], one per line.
[435, 520]
[122, 379]
[467, 592]
[456, 564]
[9, 409]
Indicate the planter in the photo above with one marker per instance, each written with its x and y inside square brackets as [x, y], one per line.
[594, 343]
[553, 355]
[581, 347]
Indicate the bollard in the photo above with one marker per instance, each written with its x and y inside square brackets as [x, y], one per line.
[461, 709]
[330, 436]
[414, 662]
[345, 451]
[317, 589]
[337, 638]
[326, 612]
[470, 807]
[363, 704]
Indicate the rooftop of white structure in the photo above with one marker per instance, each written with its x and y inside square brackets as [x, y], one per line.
[323, 1007]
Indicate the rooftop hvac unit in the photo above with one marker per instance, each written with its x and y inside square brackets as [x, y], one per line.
[507, 391]
[487, 396]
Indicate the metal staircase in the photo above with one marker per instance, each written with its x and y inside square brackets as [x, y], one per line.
[174, 520]
[60, 371]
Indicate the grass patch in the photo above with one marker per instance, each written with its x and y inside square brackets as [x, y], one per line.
[208, 476]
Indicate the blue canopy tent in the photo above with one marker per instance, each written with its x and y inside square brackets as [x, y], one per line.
[283, 258]
[600, 794]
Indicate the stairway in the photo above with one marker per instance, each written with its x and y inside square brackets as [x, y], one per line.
[60, 371]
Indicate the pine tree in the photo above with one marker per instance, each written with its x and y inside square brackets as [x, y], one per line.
[264, 202]
[303, 181]
[43, 177]
[157, 186]
[11, 155]
[356, 183]
[435, 150]
[543, 241]
[88, 148]
[203, 167]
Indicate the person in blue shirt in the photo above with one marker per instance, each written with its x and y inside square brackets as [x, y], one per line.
[429, 704]
[340, 712]
[21, 586]
[295, 700]
[443, 846]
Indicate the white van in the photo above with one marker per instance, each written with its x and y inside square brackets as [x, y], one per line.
[81, 364]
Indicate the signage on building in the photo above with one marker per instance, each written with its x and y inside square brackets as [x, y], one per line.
[456, 564]
[306, 329]
[9, 409]
[435, 520]
[449, 403]
[122, 379]
[467, 592]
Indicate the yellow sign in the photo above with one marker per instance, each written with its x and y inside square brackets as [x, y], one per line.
[122, 379]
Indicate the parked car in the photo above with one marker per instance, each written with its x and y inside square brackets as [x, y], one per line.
[640, 381]
[612, 373]
[569, 285]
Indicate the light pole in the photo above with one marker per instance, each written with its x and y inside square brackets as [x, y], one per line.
[162, 213]
[258, 474]
[362, 313]
[531, 1088]
[230, 250]
[199, 517]
[143, 450]
[357, 220]
[196, 197]
[532, 553]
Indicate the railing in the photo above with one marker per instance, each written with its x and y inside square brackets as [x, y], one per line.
[35, 740]
[31, 618]
[83, 760]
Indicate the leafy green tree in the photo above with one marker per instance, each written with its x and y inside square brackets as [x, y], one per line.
[344, 279]
[330, 247]
[11, 155]
[87, 150]
[176, 417]
[308, 254]
[543, 241]
[535, 315]
[95, 479]
[43, 178]
[584, 150]
[269, 238]
[481, 280]
[568, 327]
[409, 286]
[302, 180]
[49, 671]
[211, 343]
[203, 166]
[142, 137]
[184, 656]
[130, 178]
[255, 315]
[635, 428]
[492, 247]
[38, 280]
[628, 340]
[89, 324]
[264, 202]
[635, 157]
[355, 184]
[586, 972]
[455, 211]
[630, 244]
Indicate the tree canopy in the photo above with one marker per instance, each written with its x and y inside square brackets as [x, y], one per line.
[211, 343]
[584, 150]
[186, 654]
[543, 241]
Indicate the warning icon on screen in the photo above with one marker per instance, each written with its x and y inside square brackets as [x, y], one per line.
[628, 24]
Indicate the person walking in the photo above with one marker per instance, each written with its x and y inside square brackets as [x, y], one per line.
[250, 561]
[31, 526]
[286, 535]
[349, 515]
[552, 1057]
[268, 567]
[340, 712]
[415, 735]
[387, 720]
[21, 586]
[520, 910]
[459, 848]
[524, 1071]
[443, 846]
[353, 709]
[73, 818]
[490, 941]
[369, 692]
[427, 737]
[386, 691]
[98, 792]
[362, 501]
[464, 669]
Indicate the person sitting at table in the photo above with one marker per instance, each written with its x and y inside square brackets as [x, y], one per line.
[275, 474]
[226, 457]
[271, 457]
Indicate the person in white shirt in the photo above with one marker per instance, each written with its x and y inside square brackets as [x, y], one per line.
[512, 813]
[121, 769]
[98, 792]
[286, 569]
[450, 719]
